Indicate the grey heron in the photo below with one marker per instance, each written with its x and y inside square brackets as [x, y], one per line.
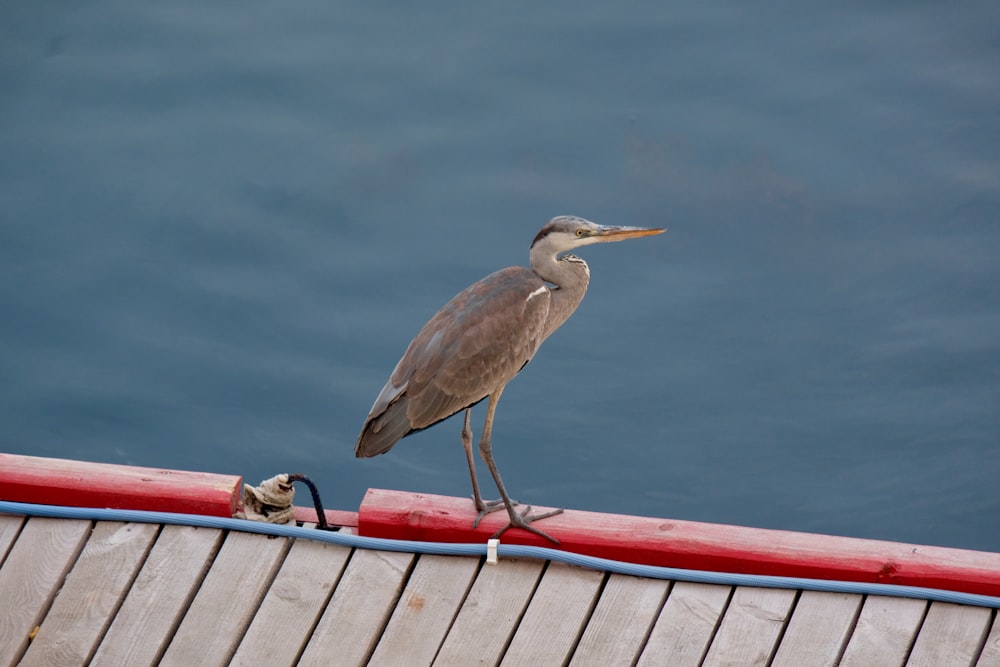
[478, 342]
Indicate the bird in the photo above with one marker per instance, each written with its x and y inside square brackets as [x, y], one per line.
[478, 342]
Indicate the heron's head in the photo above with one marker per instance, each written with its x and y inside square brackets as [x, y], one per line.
[566, 232]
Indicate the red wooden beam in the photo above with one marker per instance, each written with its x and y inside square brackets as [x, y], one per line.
[31, 479]
[690, 545]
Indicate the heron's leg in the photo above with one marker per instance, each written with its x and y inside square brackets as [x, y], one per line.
[524, 519]
[484, 507]
[477, 498]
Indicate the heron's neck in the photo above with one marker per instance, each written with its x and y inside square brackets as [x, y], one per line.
[566, 272]
[570, 275]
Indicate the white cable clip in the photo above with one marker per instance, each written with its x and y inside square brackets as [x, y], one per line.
[491, 551]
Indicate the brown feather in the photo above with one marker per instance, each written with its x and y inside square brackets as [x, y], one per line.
[473, 346]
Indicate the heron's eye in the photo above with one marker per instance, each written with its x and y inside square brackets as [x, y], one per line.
[579, 232]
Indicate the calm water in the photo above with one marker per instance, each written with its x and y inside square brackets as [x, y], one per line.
[220, 226]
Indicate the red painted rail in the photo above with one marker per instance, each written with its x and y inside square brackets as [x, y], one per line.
[32, 479]
[411, 516]
[691, 545]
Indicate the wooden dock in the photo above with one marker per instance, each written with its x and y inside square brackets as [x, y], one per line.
[78, 592]
[97, 591]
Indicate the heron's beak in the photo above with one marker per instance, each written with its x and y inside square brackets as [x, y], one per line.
[608, 234]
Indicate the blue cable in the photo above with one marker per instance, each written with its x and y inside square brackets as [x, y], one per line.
[508, 550]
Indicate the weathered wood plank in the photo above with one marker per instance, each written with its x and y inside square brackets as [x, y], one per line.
[990, 657]
[340, 518]
[623, 618]
[751, 626]
[685, 625]
[884, 632]
[491, 611]
[292, 605]
[429, 603]
[10, 525]
[32, 573]
[818, 630]
[93, 590]
[950, 635]
[158, 598]
[359, 609]
[227, 600]
[555, 617]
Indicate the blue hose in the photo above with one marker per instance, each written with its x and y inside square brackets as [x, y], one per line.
[508, 550]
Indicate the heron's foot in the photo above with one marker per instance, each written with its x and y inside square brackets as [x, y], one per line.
[488, 507]
[524, 521]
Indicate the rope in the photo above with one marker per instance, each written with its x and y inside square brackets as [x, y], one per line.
[271, 501]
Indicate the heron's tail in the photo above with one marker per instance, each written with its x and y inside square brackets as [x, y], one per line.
[384, 430]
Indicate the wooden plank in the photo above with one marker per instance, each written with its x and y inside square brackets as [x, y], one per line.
[951, 634]
[491, 612]
[227, 600]
[159, 596]
[555, 617]
[990, 657]
[333, 517]
[751, 626]
[32, 573]
[10, 526]
[885, 631]
[33, 479]
[293, 604]
[818, 630]
[93, 591]
[686, 625]
[430, 602]
[687, 544]
[359, 609]
[623, 618]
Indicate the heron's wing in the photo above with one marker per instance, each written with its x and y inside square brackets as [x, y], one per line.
[474, 345]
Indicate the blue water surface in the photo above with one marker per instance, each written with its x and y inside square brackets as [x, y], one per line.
[220, 226]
